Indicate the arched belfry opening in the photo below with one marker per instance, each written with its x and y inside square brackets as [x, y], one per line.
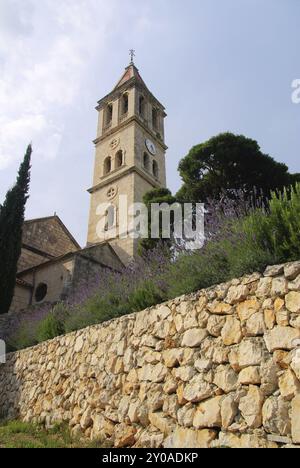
[107, 165]
[155, 169]
[146, 161]
[154, 118]
[124, 104]
[142, 105]
[110, 218]
[108, 115]
[119, 159]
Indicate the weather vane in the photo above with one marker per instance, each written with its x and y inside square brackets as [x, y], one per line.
[132, 54]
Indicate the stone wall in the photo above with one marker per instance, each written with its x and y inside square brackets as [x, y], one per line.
[28, 259]
[217, 368]
[21, 299]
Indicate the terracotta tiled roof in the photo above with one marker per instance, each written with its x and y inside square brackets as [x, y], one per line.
[130, 72]
[130, 77]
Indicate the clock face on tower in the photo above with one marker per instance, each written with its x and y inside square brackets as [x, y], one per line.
[150, 146]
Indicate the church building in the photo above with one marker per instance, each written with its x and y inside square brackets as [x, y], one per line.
[129, 161]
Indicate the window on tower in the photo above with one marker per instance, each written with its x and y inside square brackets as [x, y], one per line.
[119, 159]
[110, 216]
[124, 106]
[146, 161]
[107, 165]
[154, 118]
[108, 114]
[155, 169]
[142, 106]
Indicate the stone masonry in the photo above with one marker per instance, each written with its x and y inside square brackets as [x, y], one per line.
[127, 133]
[217, 368]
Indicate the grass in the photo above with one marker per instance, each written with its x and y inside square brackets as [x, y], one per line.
[17, 434]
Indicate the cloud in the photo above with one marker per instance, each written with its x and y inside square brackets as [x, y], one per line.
[45, 48]
[17, 129]
[15, 19]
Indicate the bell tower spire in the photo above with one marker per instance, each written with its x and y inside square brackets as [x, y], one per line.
[129, 154]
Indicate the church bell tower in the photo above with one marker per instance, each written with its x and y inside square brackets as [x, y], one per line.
[129, 159]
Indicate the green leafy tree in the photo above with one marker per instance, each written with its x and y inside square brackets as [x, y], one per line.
[230, 163]
[159, 195]
[11, 223]
[294, 179]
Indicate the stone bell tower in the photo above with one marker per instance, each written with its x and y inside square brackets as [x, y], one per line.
[129, 159]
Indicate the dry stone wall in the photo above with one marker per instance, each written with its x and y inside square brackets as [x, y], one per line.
[217, 368]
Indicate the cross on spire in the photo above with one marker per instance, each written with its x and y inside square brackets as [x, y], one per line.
[132, 55]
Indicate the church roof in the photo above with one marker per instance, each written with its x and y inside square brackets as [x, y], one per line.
[44, 239]
[56, 219]
[130, 72]
[112, 261]
[130, 77]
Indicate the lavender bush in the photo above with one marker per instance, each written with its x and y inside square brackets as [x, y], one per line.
[239, 240]
[113, 294]
[24, 327]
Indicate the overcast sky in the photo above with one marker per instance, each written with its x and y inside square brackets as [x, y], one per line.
[217, 65]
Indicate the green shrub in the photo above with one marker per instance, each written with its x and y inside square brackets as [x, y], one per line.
[278, 231]
[49, 328]
[23, 337]
[88, 314]
[234, 253]
[53, 324]
[196, 270]
[36, 326]
[242, 252]
[145, 295]
[95, 310]
[99, 309]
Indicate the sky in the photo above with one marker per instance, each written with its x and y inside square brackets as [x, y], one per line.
[216, 65]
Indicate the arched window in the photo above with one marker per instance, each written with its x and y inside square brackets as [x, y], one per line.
[154, 118]
[110, 216]
[119, 159]
[142, 105]
[107, 165]
[108, 114]
[155, 169]
[41, 292]
[146, 161]
[124, 106]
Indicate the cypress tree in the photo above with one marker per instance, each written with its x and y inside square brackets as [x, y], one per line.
[12, 214]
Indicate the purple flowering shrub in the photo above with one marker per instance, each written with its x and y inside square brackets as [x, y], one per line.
[239, 239]
[113, 294]
[23, 327]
